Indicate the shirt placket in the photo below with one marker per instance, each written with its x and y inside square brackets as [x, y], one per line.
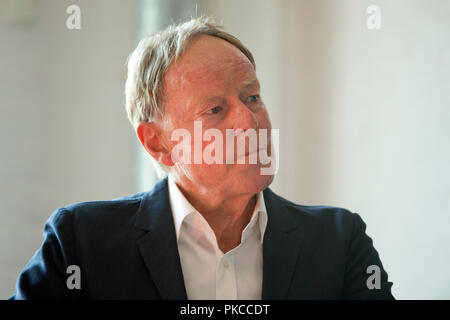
[226, 288]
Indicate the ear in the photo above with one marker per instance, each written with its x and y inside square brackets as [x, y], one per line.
[152, 139]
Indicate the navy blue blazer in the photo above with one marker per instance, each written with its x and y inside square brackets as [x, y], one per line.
[127, 249]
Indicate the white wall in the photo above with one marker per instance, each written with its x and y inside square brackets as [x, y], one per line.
[392, 127]
[64, 135]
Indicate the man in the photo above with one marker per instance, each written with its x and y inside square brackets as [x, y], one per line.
[212, 229]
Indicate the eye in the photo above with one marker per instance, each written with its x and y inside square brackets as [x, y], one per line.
[253, 99]
[214, 110]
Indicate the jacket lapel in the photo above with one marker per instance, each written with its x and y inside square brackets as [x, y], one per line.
[158, 246]
[281, 248]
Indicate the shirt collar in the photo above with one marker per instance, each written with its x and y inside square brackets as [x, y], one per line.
[259, 216]
[181, 208]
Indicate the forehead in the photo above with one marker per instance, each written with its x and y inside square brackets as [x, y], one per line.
[209, 61]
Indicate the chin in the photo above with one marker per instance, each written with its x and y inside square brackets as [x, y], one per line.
[253, 181]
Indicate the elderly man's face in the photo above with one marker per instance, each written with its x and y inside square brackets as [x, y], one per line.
[215, 83]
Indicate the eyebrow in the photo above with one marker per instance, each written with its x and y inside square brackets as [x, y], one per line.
[252, 83]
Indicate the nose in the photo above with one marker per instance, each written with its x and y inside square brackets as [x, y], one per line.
[244, 118]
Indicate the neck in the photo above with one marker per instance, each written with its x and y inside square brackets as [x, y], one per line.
[227, 216]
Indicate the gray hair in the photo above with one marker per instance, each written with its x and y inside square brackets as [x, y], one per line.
[149, 62]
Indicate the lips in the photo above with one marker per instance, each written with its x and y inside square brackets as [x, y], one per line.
[249, 153]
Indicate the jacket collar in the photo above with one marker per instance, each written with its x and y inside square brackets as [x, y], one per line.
[281, 248]
[158, 247]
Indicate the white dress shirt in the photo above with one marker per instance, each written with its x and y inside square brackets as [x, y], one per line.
[209, 273]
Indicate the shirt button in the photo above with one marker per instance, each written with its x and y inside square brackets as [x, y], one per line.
[225, 264]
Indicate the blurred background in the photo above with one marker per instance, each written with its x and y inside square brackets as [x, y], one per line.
[364, 116]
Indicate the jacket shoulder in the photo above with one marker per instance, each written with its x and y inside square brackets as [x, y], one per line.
[93, 213]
